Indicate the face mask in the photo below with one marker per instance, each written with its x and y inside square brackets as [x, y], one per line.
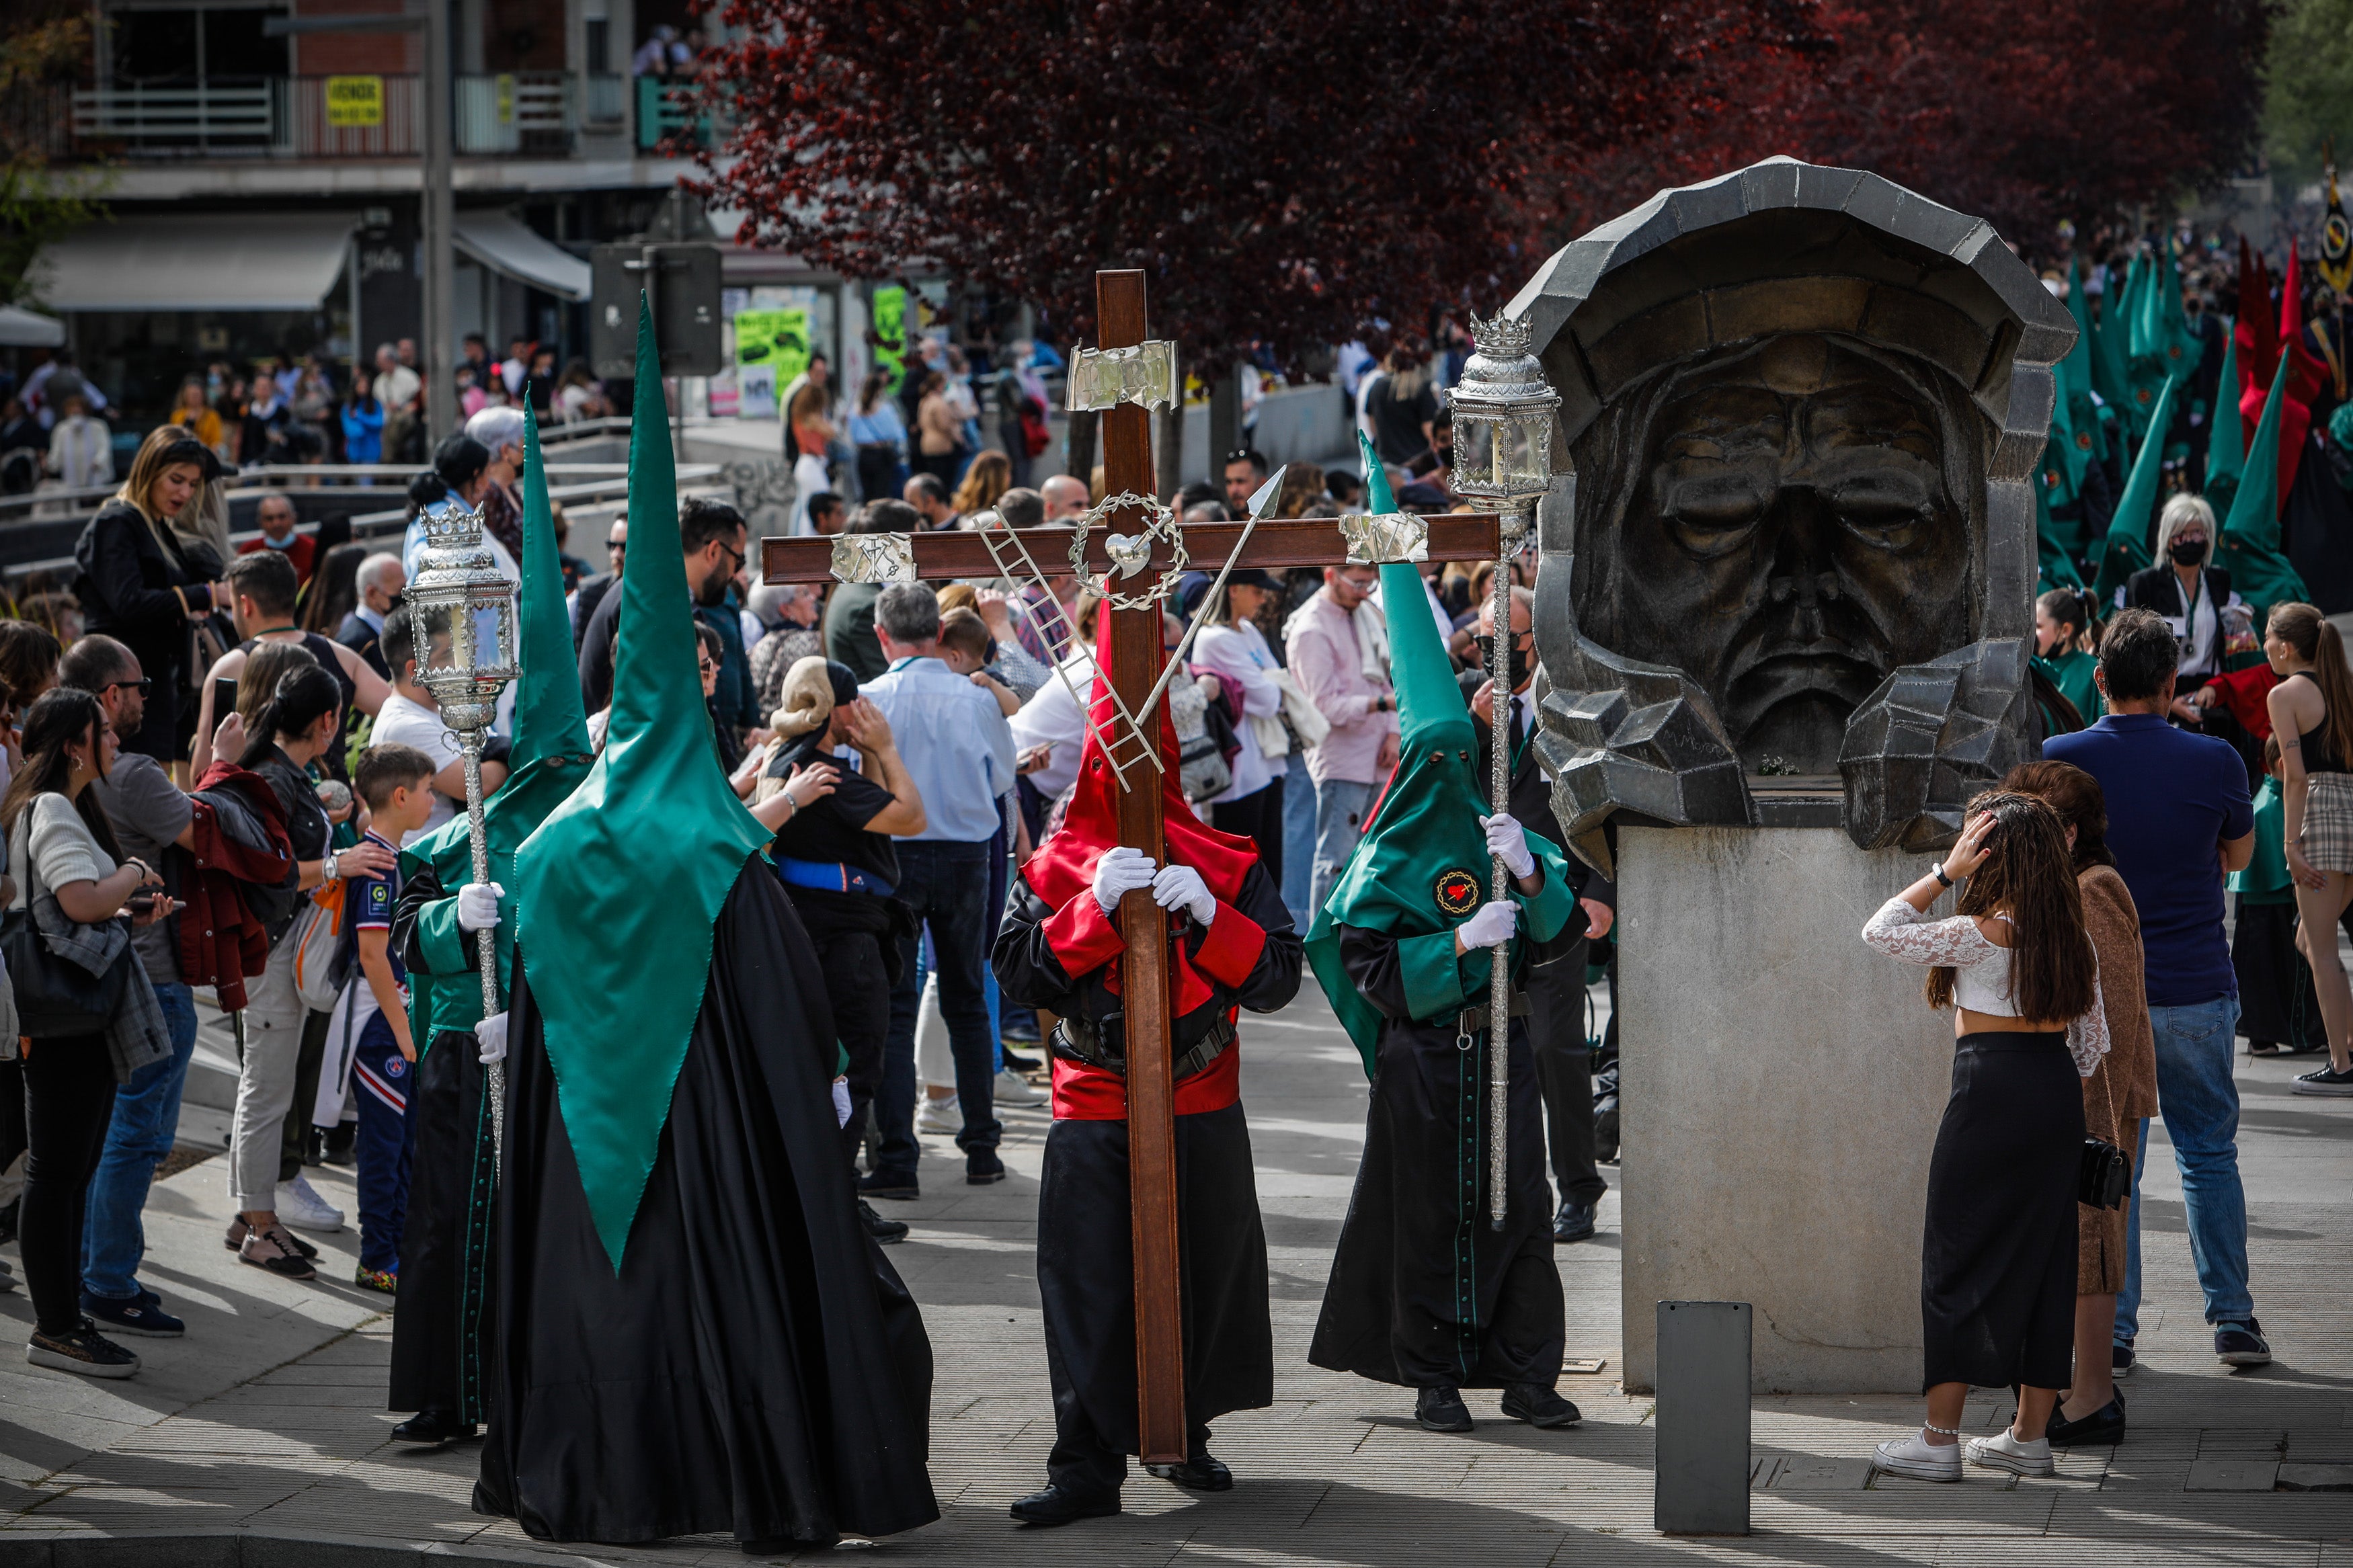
[1519, 660]
[2188, 553]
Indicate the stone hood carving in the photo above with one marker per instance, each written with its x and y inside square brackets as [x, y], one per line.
[1801, 408]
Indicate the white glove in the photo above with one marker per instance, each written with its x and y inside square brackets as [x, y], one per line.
[842, 1102]
[1122, 871]
[491, 1034]
[1509, 841]
[1491, 927]
[1180, 887]
[477, 905]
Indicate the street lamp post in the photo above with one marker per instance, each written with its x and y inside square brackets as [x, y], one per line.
[465, 613]
[1503, 411]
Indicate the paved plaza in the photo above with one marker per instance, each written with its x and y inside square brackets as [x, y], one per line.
[262, 1437]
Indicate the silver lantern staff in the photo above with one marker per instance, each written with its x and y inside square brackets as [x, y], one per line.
[463, 606]
[1504, 412]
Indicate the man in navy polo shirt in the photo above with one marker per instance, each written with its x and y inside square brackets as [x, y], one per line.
[2179, 818]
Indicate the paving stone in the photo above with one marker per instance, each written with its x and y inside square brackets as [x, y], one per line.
[2296, 1478]
[2232, 1476]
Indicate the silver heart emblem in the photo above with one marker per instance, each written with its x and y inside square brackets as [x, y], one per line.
[1131, 552]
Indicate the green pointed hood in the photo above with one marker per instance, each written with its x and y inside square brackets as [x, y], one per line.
[2074, 418]
[1405, 875]
[2226, 440]
[620, 887]
[2055, 568]
[2110, 338]
[2131, 528]
[550, 719]
[550, 756]
[2249, 548]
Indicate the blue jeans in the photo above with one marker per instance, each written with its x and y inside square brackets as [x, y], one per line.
[947, 886]
[1340, 808]
[146, 1118]
[1301, 826]
[2200, 1103]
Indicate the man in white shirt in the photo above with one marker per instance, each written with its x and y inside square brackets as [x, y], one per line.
[410, 717]
[959, 750]
[81, 447]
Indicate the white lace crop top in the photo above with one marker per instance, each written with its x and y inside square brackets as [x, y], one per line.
[1980, 972]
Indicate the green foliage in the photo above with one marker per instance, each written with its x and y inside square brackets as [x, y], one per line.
[2311, 85]
[38, 203]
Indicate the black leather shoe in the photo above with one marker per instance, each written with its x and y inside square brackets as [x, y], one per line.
[885, 1231]
[1440, 1410]
[1056, 1506]
[982, 1168]
[1201, 1473]
[2102, 1428]
[1573, 1222]
[878, 1184]
[432, 1427]
[1539, 1406]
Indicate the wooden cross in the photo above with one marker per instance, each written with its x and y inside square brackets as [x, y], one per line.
[1136, 653]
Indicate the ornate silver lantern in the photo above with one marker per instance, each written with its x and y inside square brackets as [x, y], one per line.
[465, 615]
[1503, 411]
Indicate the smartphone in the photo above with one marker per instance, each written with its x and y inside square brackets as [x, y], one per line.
[224, 701]
[139, 903]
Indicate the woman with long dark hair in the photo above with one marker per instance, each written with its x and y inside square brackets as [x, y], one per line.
[290, 734]
[1997, 1256]
[2120, 1092]
[2314, 696]
[61, 846]
[879, 431]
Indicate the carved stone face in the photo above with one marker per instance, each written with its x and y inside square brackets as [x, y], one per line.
[1793, 522]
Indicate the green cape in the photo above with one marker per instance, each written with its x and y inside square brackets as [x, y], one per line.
[2075, 436]
[2127, 551]
[2249, 548]
[1425, 830]
[550, 756]
[620, 888]
[2226, 441]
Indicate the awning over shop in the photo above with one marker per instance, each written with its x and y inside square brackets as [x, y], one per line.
[27, 330]
[196, 261]
[507, 246]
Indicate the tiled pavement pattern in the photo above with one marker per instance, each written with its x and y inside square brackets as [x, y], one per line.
[261, 1438]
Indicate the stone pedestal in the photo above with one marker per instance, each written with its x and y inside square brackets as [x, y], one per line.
[1781, 1089]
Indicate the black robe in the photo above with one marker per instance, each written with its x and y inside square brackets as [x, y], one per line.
[1086, 1280]
[755, 1366]
[1423, 1293]
[442, 1319]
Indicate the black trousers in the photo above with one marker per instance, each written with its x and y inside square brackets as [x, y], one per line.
[310, 1055]
[858, 987]
[442, 1319]
[69, 1098]
[1564, 1075]
[1998, 1253]
[1257, 816]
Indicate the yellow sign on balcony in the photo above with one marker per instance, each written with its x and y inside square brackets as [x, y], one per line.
[355, 101]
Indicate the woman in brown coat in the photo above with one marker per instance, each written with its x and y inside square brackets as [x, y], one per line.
[2115, 1097]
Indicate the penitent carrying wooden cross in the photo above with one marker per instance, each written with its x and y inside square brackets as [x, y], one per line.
[1132, 548]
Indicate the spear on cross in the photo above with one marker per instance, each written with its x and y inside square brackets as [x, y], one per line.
[1125, 377]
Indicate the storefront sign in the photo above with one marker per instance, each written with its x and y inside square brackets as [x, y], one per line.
[356, 101]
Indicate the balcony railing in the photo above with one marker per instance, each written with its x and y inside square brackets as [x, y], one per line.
[667, 110]
[520, 113]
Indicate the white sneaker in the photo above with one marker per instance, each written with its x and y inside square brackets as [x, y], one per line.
[301, 1208]
[2004, 1451]
[1920, 1460]
[941, 1116]
[1012, 1088]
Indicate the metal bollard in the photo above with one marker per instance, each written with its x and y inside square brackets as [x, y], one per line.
[1702, 1474]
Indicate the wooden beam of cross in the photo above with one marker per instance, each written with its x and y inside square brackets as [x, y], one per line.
[1136, 653]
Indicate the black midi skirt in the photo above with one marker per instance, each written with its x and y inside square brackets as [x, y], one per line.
[1998, 1258]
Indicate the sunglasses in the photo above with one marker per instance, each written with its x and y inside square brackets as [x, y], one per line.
[144, 684]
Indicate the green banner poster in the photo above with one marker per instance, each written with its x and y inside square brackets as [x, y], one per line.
[772, 347]
[890, 332]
